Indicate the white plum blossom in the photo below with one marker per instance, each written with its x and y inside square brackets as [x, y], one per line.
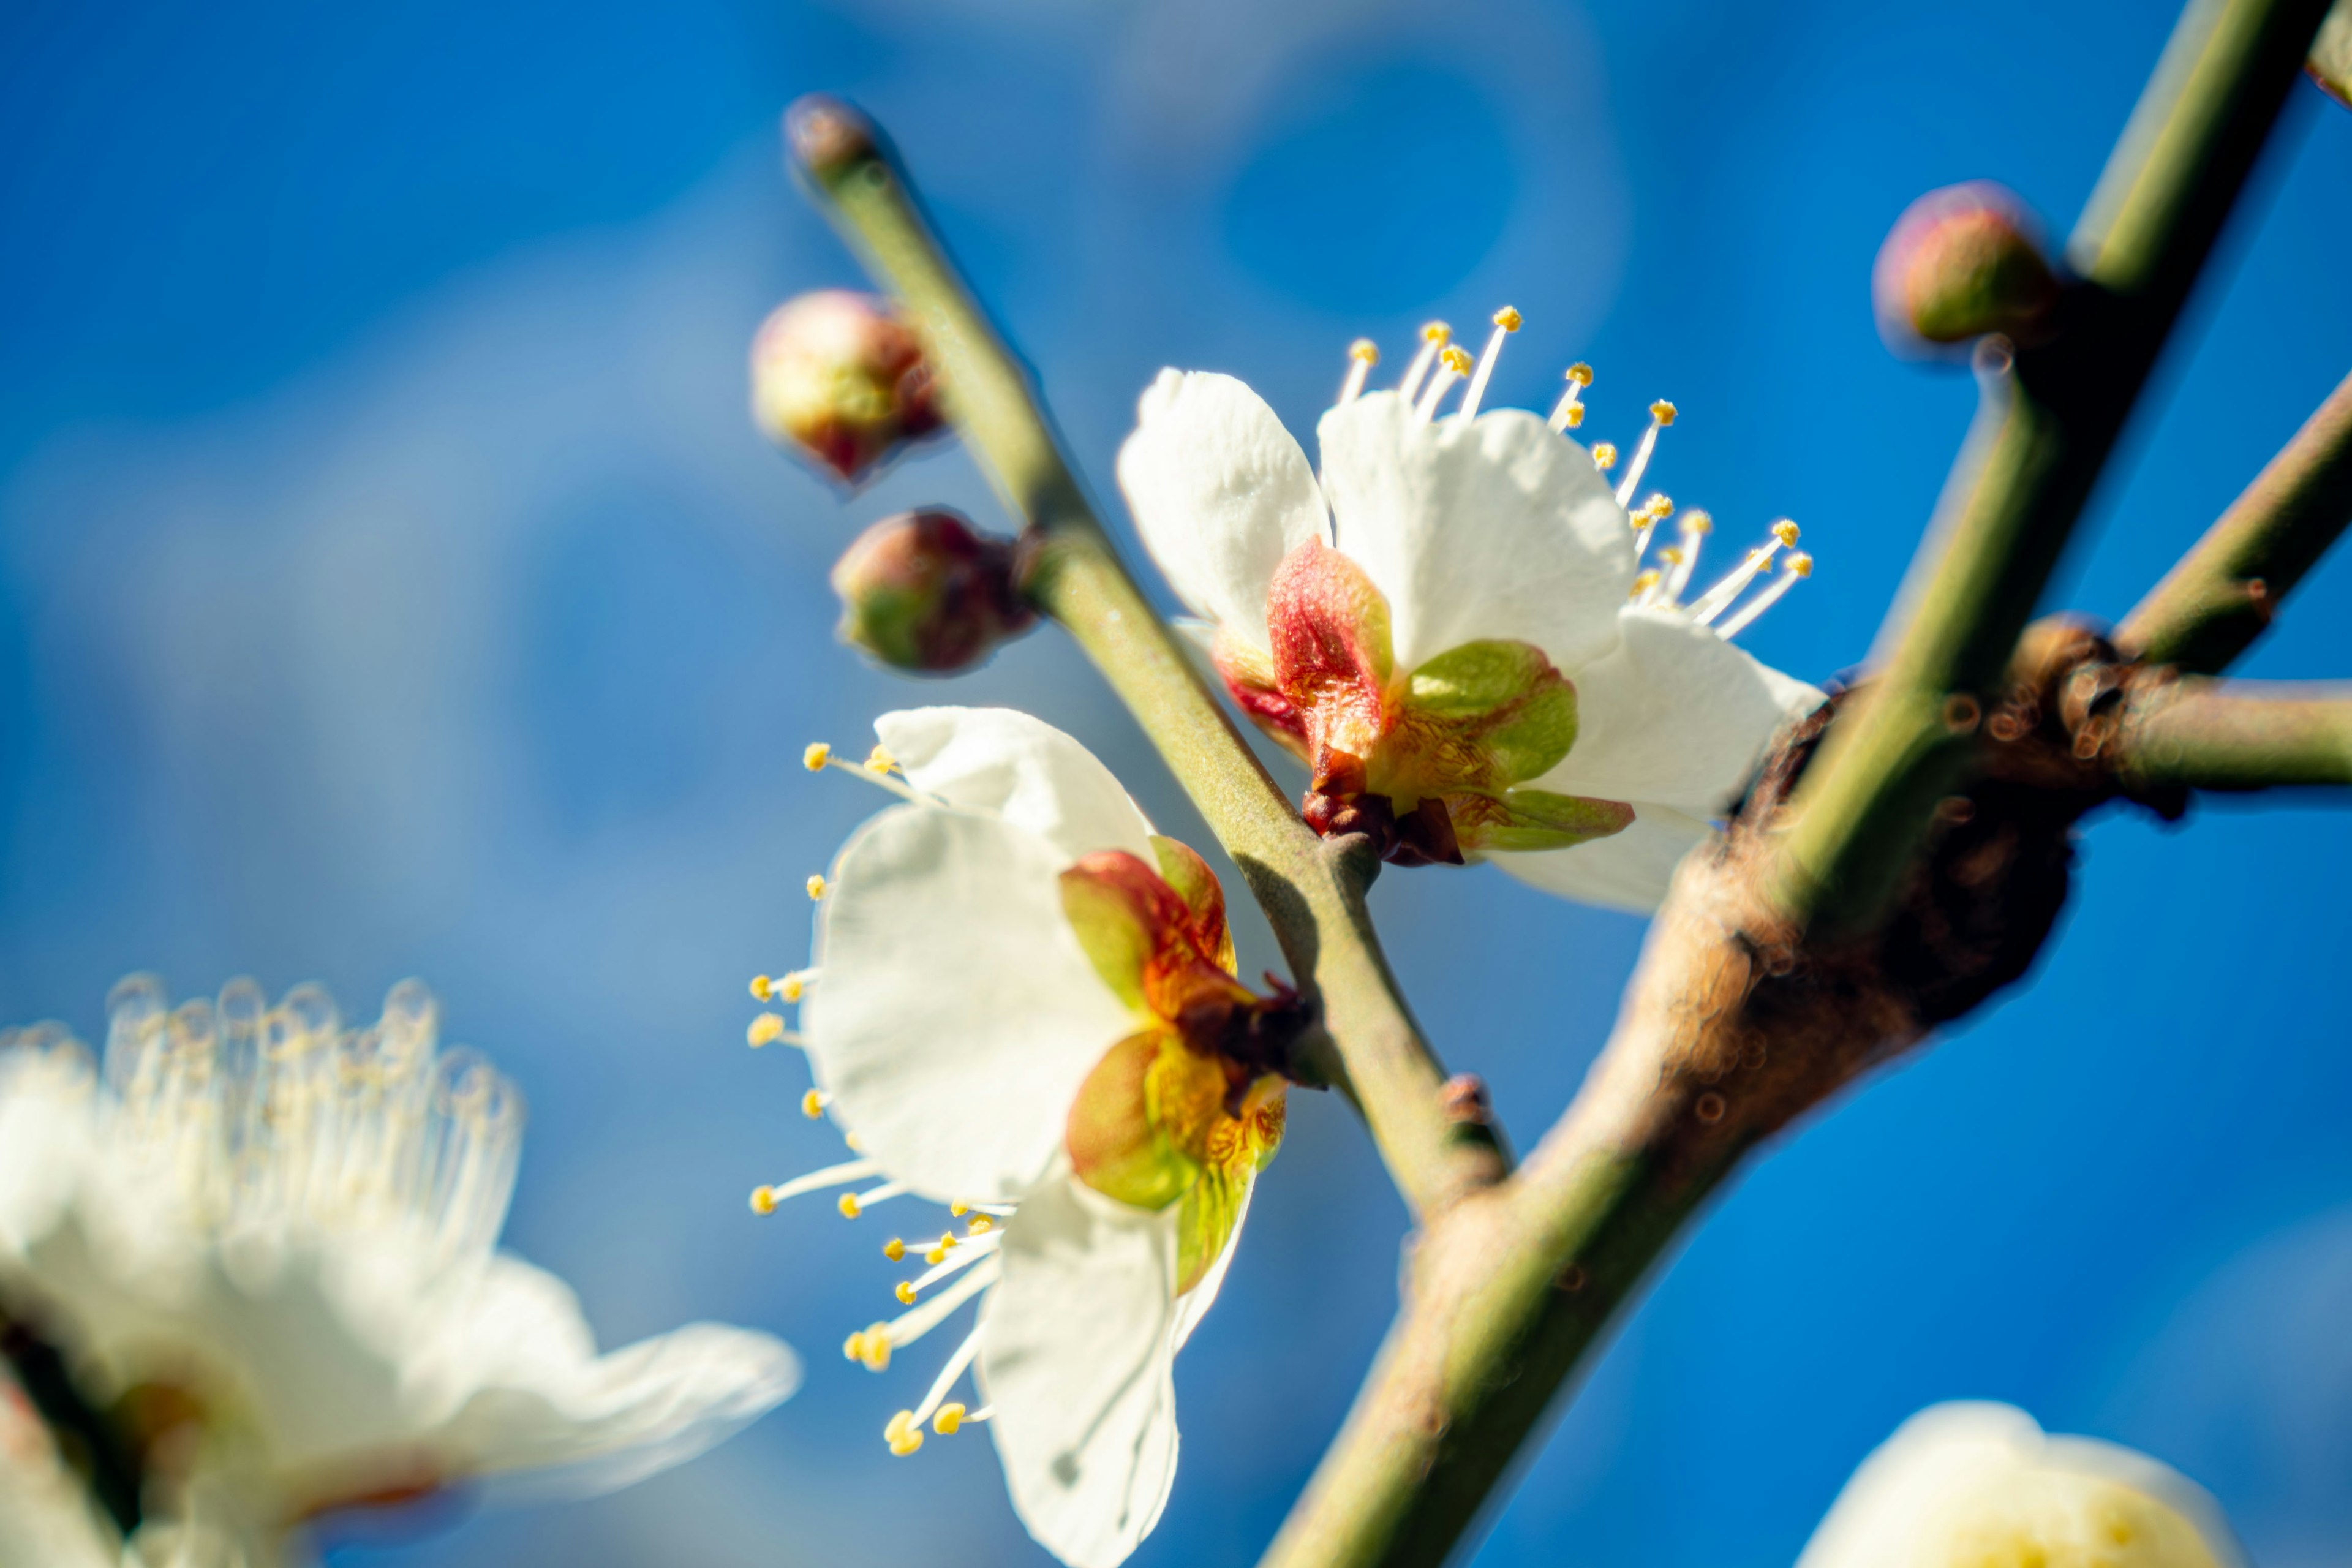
[1022, 1006]
[1454, 626]
[1968, 1484]
[267, 1240]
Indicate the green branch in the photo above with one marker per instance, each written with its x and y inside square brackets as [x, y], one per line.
[2234, 735]
[1312, 892]
[2211, 606]
[2049, 418]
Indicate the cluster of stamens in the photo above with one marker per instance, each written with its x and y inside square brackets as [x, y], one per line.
[962, 1265]
[1660, 585]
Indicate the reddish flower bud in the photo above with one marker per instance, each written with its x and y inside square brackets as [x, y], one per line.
[924, 591]
[1962, 262]
[840, 377]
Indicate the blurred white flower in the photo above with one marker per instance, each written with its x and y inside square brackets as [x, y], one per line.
[1970, 1485]
[266, 1241]
[1454, 626]
[1023, 1006]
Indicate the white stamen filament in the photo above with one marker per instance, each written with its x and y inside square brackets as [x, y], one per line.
[1433, 337]
[1506, 321]
[1451, 365]
[1653, 512]
[854, 1203]
[1362, 355]
[967, 1251]
[1717, 599]
[1661, 415]
[912, 1325]
[1695, 527]
[1800, 565]
[955, 1368]
[1567, 413]
[839, 1175]
[899, 787]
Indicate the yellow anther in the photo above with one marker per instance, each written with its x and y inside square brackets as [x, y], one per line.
[1455, 358]
[853, 1348]
[880, 761]
[763, 1200]
[947, 1239]
[1644, 582]
[1801, 564]
[950, 1417]
[817, 754]
[1670, 555]
[765, 1030]
[1697, 522]
[1436, 333]
[1508, 319]
[906, 1292]
[1575, 415]
[1605, 454]
[1660, 508]
[856, 1144]
[790, 987]
[874, 1347]
[1363, 350]
[760, 987]
[816, 886]
[959, 1210]
[981, 1226]
[1663, 412]
[893, 1249]
[1580, 374]
[1763, 565]
[903, 1436]
[1785, 531]
[935, 1256]
[849, 1206]
[813, 1104]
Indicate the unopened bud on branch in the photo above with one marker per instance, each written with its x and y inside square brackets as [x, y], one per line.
[1962, 262]
[840, 377]
[924, 591]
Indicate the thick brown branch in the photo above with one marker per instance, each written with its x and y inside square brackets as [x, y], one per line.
[2222, 597]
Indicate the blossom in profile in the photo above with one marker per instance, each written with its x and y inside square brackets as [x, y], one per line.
[1022, 1006]
[1461, 625]
[265, 1242]
[1970, 1485]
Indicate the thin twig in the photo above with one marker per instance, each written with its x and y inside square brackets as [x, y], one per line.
[2232, 735]
[1312, 891]
[2051, 417]
[2222, 597]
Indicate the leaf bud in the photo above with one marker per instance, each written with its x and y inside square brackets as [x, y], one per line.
[925, 591]
[1962, 262]
[839, 377]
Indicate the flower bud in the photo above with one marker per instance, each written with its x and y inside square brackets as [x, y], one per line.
[924, 591]
[840, 377]
[1962, 262]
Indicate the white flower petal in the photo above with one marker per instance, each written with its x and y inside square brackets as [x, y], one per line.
[1076, 1353]
[958, 1015]
[1961, 1482]
[540, 1398]
[1627, 871]
[1673, 714]
[45, 1517]
[1496, 527]
[1004, 761]
[1220, 491]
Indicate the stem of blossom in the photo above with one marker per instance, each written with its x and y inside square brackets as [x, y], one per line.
[2050, 417]
[2235, 736]
[1312, 891]
[2222, 596]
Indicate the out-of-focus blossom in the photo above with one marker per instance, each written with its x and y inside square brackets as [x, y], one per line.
[1454, 625]
[839, 377]
[266, 1241]
[46, 1519]
[1022, 1006]
[1970, 1485]
[926, 592]
[1961, 262]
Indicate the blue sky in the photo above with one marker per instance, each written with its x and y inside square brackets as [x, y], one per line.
[391, 583]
